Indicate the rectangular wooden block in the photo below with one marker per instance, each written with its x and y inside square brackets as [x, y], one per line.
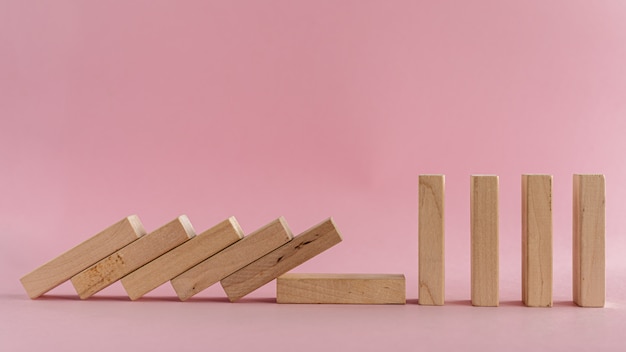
[77, 259]
[302, 248]
[126, 260]
[537, 240]
[231, 259]
[589, 240]
[341, 289]
[484, 237]
[181, 258]
[431, 240]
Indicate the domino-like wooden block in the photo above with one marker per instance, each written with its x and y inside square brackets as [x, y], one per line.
[537, 240]
[77, 259]
[484, 237]
[181, 258]
[431, 240]
[133, 256]
[589, 240]
[341, 289]
[302, 248]
[231, 259]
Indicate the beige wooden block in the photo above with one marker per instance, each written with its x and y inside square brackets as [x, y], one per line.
[589, 240]
[341, 289]
[126, 260]
[181, 258]
[537, 240]
[484, 237]
[302, 248]
[231, 259]
[431, 240]
[77, 259]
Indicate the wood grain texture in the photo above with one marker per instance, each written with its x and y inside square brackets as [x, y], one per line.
[182, 258]
[431, 240]
[341, 289]
[77, 259]
[231, 259]
[589, 240]
[537, 240]
[302, 248]
[133, 256]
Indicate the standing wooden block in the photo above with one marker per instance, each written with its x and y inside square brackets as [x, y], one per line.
[537, 240]
[302, 248]
[589, 237]
[431, 240]
[484, 228]
[77, 259]
[231, 259]
[181, 258]
[126, 260]
[341, 289]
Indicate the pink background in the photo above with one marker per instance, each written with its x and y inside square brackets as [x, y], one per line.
[306, 109]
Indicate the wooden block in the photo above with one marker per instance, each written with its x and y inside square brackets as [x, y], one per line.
[181, 258]
[302, 248]
[341, 289]
[484, 228]
[537, 240]
[589, 240]
[231, 259]
[431, 240]
[126, 260]
[77, 259]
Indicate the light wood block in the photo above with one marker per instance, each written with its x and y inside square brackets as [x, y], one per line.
[302, 248]
[341, 289]
[182, 258]
[231, 259]
[431, 240]
[537, 240]
[589, 240]
[133, 256]
[77, 259]
[484, 237]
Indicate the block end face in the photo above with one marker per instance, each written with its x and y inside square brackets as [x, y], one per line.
[235, 224]
[285, 226]
[187, 227]
[137, 225]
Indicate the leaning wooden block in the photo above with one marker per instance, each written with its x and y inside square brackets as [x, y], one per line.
[131, 257]
[181, 258]
[431, 240]
[302, 248]
[77, 259]
[341, 288]
[231, 259]
[589, 240]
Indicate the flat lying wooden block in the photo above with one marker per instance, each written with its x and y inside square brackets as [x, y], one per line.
[302, 248]
[77, 259]
[126, 260]
[231, 259]
[589, 240]
[181, 258]
[341, 289]
[431, 240]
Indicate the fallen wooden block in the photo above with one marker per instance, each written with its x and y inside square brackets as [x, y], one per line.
[231, 259]
[341, 288]
[431, 240]
[302, 248]
[126, 260]
[77, 259]
[181, 258]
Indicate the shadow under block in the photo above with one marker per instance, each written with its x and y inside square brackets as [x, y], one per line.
[181, 258]
[589, 240]
[302, 248]
[133, 256]
[77, 259]
[484, 238]
[341, 289]
[431, 240]
[537, 240]
[231, 259]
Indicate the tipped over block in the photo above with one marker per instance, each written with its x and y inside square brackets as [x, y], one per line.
[431, 240]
